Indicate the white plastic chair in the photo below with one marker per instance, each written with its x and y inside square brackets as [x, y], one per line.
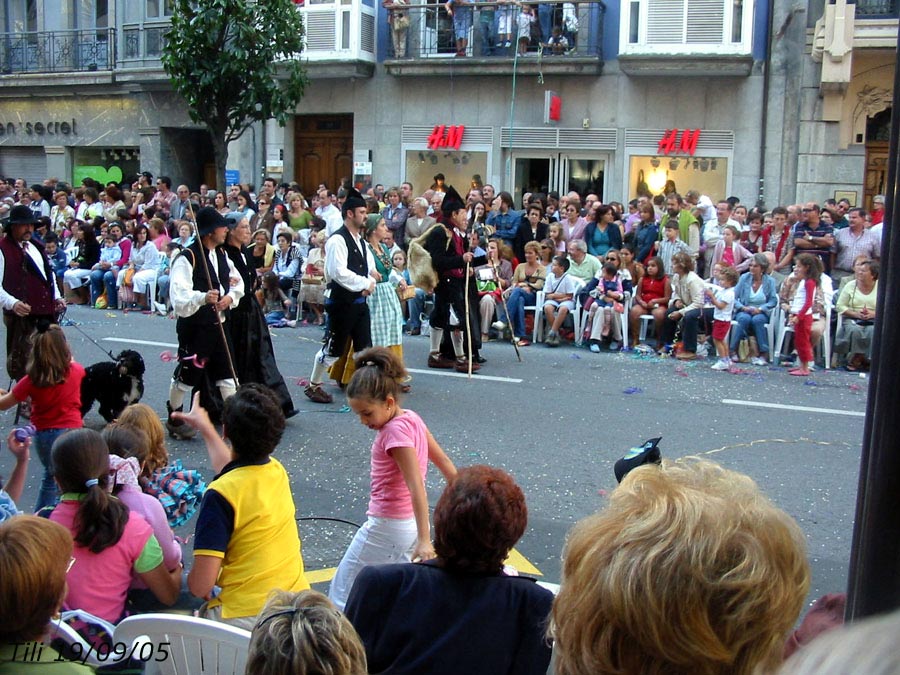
[581, 326]
[539, 313]
[824, 346]
[80, 649]
[195, 646]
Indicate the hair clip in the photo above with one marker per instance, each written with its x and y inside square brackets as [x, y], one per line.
[91, 482]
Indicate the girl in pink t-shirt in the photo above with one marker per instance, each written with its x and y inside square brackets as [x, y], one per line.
[111, 542]
[398, 528]
[53, 384]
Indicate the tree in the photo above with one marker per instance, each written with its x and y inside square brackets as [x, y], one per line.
[235, 62]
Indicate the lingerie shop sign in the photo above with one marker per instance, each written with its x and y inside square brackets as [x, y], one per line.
[38, 128]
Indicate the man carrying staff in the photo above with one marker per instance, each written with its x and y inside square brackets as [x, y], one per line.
[29, 291]
[204, 286]
[449, 249]
[350, 274]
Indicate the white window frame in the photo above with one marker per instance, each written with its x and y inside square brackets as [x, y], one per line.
[646, 46]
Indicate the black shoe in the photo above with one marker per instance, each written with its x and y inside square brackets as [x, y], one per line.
[415, 331]
[291, 413]
[480, 359]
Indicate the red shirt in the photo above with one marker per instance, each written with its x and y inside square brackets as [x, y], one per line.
[56, 407]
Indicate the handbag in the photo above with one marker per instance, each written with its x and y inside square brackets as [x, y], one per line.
[311, 280]
[407, 293]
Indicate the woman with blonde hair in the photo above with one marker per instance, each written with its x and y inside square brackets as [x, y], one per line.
[689, 569]
[304, 633]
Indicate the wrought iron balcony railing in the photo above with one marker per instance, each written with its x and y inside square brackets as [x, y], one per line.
[493, 30]
[878, 9]
[58, 51]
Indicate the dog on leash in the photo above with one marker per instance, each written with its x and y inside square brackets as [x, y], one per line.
[114, 385]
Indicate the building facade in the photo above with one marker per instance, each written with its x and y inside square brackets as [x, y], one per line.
[769, 101]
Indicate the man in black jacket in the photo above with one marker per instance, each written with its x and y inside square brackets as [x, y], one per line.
[349, 267]
[451, 258]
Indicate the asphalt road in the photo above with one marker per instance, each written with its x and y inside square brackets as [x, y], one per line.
[557, 422]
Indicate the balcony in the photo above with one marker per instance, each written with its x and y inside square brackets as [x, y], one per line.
[340, 38]
[686, 37]
[878, 9]
[61, 51]
[428, 46]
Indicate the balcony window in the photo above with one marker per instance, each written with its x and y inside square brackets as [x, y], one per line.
[18, 16]
[686, 27]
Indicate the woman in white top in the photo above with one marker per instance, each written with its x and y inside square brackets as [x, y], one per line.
[144, 261]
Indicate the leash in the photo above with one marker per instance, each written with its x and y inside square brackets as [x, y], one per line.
[74, 325]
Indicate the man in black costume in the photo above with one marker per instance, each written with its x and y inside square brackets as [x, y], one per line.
[204, 287]
[348, 268]
[448, 246]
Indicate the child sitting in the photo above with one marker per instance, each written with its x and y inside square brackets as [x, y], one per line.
[276, 302]
[559, 297]
[603, 315]
[57, 257]
[557, 44]
[722, 298]
[246, 539]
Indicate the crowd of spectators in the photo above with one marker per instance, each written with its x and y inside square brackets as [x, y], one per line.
[722, 571]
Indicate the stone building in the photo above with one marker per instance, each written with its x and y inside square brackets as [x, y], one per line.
[766, 100]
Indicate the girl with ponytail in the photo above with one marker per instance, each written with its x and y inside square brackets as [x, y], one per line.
[111, 544]
[53, 383]
[398, 528]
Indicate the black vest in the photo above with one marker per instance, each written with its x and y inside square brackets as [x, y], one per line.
[356, 263]
[196, 254]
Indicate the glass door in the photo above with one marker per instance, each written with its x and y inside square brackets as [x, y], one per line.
[584, 175]
[534, 174]
[560, 172]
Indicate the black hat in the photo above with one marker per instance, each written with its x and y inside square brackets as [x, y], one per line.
[209, 220]
[21, 215]
[648, 453]
[452, 201]
[354, 200]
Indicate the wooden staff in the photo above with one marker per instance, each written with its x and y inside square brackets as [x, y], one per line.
[505, 309]
[209, 283]
[468, 323]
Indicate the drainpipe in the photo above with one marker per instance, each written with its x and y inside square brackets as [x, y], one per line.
[760, 196]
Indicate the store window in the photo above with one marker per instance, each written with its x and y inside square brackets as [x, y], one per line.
[462, 170]
[559, 172]
[651, 174]
[105, 165]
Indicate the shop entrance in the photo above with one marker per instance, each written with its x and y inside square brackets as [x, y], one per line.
[877, 133]
[323, 151]
[560, 172]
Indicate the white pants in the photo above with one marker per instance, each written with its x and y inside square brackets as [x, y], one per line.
[76, 278]
[142, 280]
[379, 541]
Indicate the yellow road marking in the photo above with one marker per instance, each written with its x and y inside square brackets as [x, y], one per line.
[515, 559]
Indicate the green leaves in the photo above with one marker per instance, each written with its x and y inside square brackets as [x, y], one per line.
[235, 62]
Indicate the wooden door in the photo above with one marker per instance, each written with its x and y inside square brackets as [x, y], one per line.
[876, 172]
[323, 151]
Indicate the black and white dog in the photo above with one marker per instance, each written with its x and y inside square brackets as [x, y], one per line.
[113, 385]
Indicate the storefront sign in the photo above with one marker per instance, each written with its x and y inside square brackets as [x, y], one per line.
[552, 107]
[672, 144]
[446, 137]
[38, 128]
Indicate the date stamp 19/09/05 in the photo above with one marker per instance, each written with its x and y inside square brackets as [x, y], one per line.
[117, 652]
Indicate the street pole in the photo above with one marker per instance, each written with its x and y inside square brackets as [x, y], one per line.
[874, 583]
